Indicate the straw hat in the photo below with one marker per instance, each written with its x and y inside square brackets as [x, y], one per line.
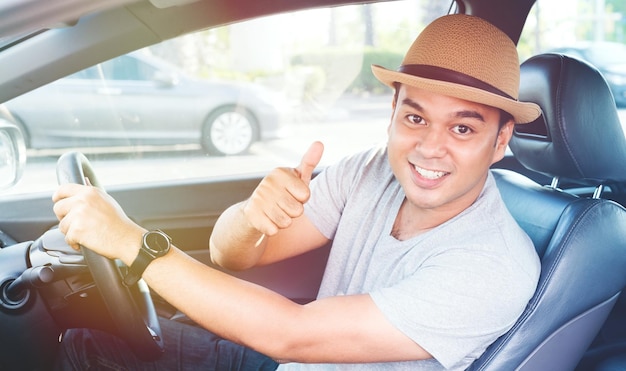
[468, 58]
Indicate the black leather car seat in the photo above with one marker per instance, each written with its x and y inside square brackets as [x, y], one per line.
[581, 240]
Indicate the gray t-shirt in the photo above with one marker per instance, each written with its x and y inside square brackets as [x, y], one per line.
[453, 290]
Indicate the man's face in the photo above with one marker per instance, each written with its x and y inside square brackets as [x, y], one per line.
[440, 148]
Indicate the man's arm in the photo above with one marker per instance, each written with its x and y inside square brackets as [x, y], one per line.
[270, 225]
[336, 329]
[346, 329]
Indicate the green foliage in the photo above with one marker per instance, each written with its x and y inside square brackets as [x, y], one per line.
[618, 7]
[365, 80]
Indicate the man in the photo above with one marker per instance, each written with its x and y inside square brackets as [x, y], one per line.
[427, 268]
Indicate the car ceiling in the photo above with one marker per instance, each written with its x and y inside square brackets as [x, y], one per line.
[81, 32]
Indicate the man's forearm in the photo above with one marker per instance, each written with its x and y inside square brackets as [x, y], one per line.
[235, 244]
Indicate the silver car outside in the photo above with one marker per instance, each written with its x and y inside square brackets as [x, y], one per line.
[134, 99]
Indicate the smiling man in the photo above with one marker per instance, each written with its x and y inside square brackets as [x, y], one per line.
[440, 149]
[427, 267]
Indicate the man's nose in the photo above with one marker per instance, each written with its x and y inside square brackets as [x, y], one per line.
[432, 142]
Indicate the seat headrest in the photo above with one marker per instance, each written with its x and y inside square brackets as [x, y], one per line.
[579, 136]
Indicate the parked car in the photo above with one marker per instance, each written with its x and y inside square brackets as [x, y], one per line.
[609, 58]
[563, 179]
[137, 99]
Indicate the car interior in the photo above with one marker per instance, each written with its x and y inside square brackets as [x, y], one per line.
[564, 225]
[563, 181]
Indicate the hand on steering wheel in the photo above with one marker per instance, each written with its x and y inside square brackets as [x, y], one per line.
[134, 316]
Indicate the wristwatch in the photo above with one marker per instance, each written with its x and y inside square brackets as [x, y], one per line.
[154, 245]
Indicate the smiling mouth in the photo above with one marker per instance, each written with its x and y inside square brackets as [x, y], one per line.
[430, 174]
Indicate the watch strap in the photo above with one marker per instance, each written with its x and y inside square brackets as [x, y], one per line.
[136, 269]
[147, 254]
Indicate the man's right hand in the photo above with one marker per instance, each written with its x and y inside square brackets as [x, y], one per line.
[281, 195]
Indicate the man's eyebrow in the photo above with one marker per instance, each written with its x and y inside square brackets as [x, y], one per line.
[469, 114]
[413, 104]
[459, 114]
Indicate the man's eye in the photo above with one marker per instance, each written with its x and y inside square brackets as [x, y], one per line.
[462, 129]
[415, 119]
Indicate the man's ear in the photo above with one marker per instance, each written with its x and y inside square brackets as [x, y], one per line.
[394, 102]
[502, 141]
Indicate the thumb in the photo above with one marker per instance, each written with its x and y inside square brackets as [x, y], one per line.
[309, 161]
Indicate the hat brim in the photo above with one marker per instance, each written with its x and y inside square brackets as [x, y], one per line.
[522, 112]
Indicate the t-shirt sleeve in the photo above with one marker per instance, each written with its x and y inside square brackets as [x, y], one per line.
[455, 305]
[330, 190]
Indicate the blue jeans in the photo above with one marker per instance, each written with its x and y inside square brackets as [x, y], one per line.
[186, 348]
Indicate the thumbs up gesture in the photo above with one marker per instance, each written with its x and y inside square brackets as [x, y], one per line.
[281, 195]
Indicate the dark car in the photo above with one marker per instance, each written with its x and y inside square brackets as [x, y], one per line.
[74, 75]
[609, 58]
[138, 99]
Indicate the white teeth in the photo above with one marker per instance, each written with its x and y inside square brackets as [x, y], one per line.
[430, 174]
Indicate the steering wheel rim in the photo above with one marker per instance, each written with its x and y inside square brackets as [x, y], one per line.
[136, 321]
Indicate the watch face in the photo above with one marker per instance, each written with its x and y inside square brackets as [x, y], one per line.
[156, 241]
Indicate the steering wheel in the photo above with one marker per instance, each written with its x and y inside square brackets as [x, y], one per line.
[134, 316]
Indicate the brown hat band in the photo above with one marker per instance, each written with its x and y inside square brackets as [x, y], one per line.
[455, 77]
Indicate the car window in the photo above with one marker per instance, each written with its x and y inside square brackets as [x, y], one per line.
[574, 25]
[122, 68]
[591, 30]
[230, 101]
[244, 98]
[127, 68]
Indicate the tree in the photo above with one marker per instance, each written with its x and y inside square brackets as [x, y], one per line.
[618, 7]
[368, 22]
